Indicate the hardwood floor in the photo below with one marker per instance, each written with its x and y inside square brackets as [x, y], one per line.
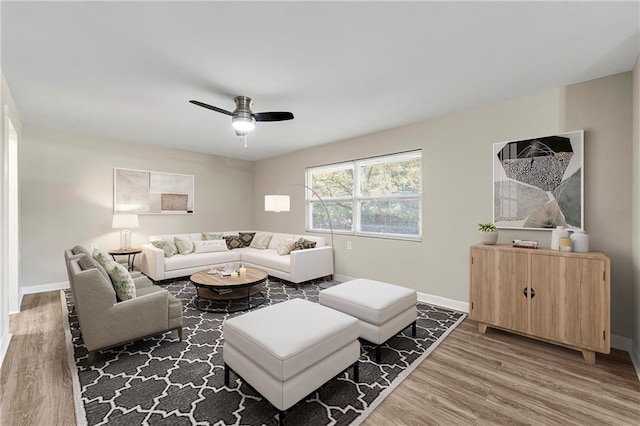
[35, 381]
[496, 378]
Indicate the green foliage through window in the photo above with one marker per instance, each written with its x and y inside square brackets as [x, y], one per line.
[377, 196]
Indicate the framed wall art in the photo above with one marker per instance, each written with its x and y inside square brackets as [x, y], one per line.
[146, 192]
[538, 183]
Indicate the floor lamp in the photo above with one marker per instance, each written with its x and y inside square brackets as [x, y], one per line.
[281, 203]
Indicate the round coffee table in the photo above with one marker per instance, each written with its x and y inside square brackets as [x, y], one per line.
[207, 287]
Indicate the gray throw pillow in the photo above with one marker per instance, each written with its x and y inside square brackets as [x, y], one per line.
[211, 235]
[121, 279]
[303, 244]
[168, 247]
[101, 257]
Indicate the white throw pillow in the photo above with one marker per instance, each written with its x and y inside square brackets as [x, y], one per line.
[210, 246]
[260, 240]
[286, 246]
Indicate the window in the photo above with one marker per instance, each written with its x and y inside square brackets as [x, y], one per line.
[379, 196]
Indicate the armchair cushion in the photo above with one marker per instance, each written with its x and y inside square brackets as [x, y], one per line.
[122, 282]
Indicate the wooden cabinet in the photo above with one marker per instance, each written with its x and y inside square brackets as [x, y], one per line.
[558, 297]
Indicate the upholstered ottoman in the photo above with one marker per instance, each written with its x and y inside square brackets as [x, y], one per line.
[286, 351]
[383, 309]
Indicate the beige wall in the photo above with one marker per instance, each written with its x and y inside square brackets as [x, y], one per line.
[67, 196]
[636, 213]
[457, 193]
[602, 108]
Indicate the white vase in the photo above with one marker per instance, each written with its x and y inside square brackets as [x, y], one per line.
[556, 234]
[489, 238]
[580, 241]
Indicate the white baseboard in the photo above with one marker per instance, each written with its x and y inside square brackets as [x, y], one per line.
[456, 305]
[4, 346]
[622, 343]
[342, 278]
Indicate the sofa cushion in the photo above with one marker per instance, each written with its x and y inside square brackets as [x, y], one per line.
[210, 246]
[167, 246]
[320, 241]
[80, 250]
[121, 280]
[266, 258]
[184, 245]
[286, 246]
[261, 240]
[212, 235]
[195, 260]
[303, 244]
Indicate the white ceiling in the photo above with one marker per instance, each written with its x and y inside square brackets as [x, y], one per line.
[127, 70]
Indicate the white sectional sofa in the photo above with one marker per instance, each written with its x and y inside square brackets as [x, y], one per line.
[296, 267]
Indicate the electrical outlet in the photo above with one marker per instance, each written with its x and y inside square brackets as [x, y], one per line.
[94, 246]
[348, 245]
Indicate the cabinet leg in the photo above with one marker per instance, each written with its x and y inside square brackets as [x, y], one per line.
[589, 357]
[482, 328]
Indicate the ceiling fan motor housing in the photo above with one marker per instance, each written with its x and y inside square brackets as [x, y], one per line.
[243, 120]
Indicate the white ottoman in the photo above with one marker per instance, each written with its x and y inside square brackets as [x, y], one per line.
[290, 349]
[383, 309]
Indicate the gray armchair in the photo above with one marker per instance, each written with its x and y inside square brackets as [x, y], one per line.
[105, 322]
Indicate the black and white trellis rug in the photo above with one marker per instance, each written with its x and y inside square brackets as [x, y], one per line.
[162, 381]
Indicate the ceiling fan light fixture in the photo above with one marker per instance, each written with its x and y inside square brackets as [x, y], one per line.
[243, 123]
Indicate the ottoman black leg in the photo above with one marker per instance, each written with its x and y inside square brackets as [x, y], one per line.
[356, 372]
[413, 329]
[281, 417]
[377, 354]
[226, 374]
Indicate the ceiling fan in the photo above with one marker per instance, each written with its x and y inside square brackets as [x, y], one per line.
[243, 119]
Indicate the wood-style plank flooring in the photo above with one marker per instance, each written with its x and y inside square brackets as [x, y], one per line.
[470, 379]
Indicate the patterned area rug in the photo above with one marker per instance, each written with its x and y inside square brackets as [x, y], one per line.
[162, 381]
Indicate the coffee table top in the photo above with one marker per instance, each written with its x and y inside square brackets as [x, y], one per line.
[204, 278]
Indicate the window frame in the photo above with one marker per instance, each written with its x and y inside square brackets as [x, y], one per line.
[357, 198]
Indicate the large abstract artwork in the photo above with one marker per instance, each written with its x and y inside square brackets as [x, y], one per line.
[538, 183]
[140, 192]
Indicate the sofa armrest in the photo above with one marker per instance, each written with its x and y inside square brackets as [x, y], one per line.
[311, 263]
[128, 320]
[152, 263]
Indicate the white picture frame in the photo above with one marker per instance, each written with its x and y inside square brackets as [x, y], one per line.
[149, 192]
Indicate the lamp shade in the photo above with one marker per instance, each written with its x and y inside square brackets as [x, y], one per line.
[276, 203]
[125, 221]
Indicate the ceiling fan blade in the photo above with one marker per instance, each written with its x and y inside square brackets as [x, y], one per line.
[273, 116]
[211, 107]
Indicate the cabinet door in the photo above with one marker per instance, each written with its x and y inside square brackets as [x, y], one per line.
[571, 301]
[498, 279]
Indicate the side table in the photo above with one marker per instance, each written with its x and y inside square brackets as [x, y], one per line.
[130, 253]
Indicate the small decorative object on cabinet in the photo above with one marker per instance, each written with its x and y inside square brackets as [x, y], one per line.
[580, 241]
[558, 297]
[556, 234]
[488, 233]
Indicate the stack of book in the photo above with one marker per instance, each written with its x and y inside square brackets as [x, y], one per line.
[525, 244]
[222, 290]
